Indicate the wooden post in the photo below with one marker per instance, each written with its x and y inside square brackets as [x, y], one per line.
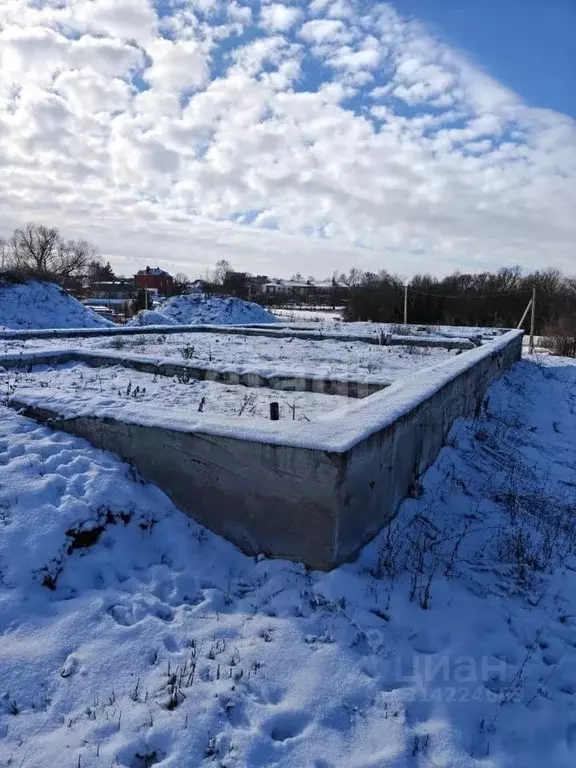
[521, 323]
[532, 320]
[406, 304]
[274, 412]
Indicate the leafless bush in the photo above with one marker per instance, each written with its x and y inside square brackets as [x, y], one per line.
[400, 330]
[188, 351]
[560, 336]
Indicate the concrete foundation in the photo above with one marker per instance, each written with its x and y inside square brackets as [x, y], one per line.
[345, 387]
[313, 492]
[269, 330]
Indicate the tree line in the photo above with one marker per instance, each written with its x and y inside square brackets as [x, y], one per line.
[489, 299]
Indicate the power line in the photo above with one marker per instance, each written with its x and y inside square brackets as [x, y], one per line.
[464, 295]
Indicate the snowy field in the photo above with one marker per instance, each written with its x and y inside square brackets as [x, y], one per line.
[331, 359]
[130, 636]
[117, 388]
[308, 315]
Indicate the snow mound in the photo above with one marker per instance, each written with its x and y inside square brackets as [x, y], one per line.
[34, 304]
[199, 309]
[150, 317]
[131, 636]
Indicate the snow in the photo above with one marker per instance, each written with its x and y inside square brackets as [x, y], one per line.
[117, 391]
[151, 317]
[131, 636]
[332, 431]
[200, 309]
[35, 304]
[337, 325]
[291, 356]
[308, 315]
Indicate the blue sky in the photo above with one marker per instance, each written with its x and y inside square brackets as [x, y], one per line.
[293, 136]
[528, 45]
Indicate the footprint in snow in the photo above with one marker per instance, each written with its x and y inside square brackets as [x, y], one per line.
[286, 725]
[70, 666]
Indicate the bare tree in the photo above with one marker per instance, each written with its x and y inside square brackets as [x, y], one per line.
[42, 252]
[34, 247]
[72, 258]
[221, 270]
[4, 255]
[181, 284]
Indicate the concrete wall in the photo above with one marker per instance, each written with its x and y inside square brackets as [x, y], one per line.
[270, 330]
[315, 492]
[381, 470]
[345, 387]
[264, 498]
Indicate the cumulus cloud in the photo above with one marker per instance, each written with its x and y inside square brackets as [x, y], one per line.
[278, 17]
[282, 137]
[127, 20]
[176, 65]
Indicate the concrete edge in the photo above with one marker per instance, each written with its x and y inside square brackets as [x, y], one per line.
[335, 433]
[271, 330]
[284, 381]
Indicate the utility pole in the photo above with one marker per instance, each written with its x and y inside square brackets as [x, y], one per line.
[406, 304]
[532, 320]
[525, 315]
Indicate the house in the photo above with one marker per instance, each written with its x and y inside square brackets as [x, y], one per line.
[297, 288]
[118, 288]
[155, 279]
[198, 286]
[283, 287]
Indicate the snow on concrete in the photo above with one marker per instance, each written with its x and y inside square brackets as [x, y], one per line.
[199, 309]
[332, 324]
[292, 356]
[118, 390]
[333, 431]
[35, 304]
[131, 636]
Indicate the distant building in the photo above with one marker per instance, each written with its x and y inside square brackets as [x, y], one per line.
[119, 288]
[297, 288]
[198, 286]
[156, 279]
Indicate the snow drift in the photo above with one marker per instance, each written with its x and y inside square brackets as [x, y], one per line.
[151, 317]
[34, 304]
[199, 309]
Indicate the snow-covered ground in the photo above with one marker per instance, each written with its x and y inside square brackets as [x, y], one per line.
[331, 359]
[199, 309]
[308, 315]
[115, 389]
[35, 304]
[396, 329]
[130, 636]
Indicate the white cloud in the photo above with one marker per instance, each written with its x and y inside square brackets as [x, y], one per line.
[321, 31]
[239, 13]
[145, 135]
[33, 52]
[88, 92]
[176, 65]
[107, 56]
[126, 20]
[278, 17]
